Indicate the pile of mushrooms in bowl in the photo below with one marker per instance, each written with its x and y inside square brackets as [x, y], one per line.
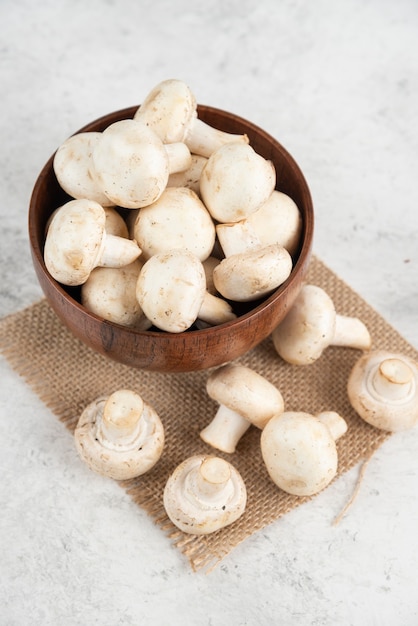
[204, 238]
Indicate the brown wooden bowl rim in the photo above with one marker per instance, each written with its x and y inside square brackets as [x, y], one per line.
[301, 261]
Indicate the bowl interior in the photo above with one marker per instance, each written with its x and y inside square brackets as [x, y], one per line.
[194, 349]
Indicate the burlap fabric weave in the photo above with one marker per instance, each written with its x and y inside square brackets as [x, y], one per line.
[67, 376]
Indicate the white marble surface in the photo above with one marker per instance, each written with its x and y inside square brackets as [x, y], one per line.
[337, 84]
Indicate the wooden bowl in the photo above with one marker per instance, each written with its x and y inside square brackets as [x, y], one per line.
[194, 349]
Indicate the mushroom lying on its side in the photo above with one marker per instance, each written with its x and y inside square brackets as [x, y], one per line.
[244, 397]
[299, 450]
[204, 494]
[120, 436]
[170, 109]
[312, 325]
[76, 242]
[254, 274]
[383, 390]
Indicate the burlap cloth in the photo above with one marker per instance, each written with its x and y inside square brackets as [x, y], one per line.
[67, 376]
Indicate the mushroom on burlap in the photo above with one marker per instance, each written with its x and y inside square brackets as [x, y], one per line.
[204, 494]
[383, 389]
[299, 450]
[244, 397]
[120, 436]
[312, 324]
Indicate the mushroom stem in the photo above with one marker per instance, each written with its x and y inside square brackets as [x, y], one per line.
[203, 139]
[393, 379]
[120, 420]
[212, 480]
[117, 251]
[382, 389]
[179, 157]
[336, 424]
[351, 332]
[225, 430]
[204, 494]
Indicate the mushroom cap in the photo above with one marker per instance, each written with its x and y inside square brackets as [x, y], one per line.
[178, 219]
[74, 241]
[308, 327]
[111, 293]
[248, 276]
[171, 288]
[246, 392]
[236, 181]
[130, 164]
[120, 462]
[391, 405]
[299, 453]
[278, 220]
[73, 168]
[168, 110]
[200, 511]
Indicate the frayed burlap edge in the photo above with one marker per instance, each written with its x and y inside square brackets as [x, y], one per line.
[67, 375]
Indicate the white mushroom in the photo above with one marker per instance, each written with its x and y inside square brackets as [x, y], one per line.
[278, 220]
[383, 390]
[312, 325]
[204, 494]
[251, 275]
[299, 450]
[236, 181]
[73, 168]
[170, 109]
[244, 397]
[76, 242]
[178, 219]
[171, 290]
[111, 293]
[132, 165]
[120, 436]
